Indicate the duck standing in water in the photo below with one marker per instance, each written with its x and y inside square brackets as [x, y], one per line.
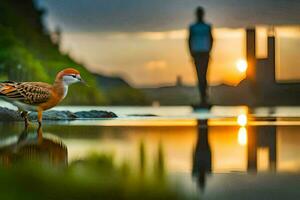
[38, 96]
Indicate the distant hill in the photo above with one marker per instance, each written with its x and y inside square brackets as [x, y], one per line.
[109, 82]
[173, 95]
[268, 94]
[119, 92]
[189, 95]
[28, 53]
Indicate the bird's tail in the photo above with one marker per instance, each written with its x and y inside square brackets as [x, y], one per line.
[2, 88]
[6, 87]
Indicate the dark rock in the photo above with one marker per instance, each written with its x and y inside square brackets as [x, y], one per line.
[54, 115]
[95, 114]
[12, 115]
[9, 115]
[143, 115]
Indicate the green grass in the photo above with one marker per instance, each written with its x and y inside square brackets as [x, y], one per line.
[96, 177]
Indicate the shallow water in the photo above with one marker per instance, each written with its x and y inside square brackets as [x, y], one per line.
[212, 154]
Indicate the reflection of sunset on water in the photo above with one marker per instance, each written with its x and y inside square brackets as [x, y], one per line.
[242, 136]
[228, 146]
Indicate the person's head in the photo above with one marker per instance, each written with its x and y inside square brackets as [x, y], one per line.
[200, 14]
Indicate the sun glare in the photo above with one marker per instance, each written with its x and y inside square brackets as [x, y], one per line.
[242, 120]
[241, 65]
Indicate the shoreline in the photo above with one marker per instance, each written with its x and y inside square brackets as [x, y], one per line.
[7, 114]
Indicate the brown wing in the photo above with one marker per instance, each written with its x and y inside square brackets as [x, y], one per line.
[26, 92]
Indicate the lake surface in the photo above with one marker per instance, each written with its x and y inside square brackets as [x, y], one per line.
[227, 152]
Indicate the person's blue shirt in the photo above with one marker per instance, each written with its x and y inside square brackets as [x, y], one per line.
[200, 37]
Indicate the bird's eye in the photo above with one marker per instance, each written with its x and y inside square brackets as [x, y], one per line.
[74, 76]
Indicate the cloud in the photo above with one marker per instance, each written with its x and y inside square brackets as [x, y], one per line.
[166, 15]
[176, 34]
[156, 65]
[288, 32]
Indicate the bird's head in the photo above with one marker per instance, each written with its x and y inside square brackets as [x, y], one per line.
[69, 76]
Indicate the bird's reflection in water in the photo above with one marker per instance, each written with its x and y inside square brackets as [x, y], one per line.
[202, 155]
[35, 146]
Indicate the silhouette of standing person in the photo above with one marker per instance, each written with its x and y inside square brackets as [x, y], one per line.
[200, 44]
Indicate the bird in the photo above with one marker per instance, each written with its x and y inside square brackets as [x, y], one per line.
[39, 96]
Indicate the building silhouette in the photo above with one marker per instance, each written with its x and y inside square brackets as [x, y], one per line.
[261, 137]
[258, 137]
[260, 87]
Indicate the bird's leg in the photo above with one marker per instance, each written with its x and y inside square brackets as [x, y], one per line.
[40, 117]
[23, 135]
[24, 115]
[40, 134]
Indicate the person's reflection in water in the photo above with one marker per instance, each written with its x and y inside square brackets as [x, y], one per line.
[33, 146]
[202, 155]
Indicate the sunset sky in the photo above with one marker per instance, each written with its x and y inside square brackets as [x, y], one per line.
[145, 41]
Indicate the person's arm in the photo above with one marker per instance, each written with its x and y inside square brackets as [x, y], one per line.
[211, 38]
[190, 40]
